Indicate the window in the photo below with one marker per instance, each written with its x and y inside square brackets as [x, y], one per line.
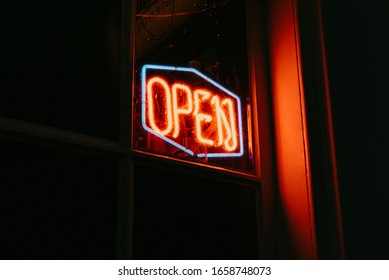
[56, 204]
[59, 129]
[73, 181]
[179, 215]
[60, 64]
[203, 199]
[192, 100]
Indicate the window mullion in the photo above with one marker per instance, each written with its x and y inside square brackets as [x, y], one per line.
[59, 138]
[126, 185]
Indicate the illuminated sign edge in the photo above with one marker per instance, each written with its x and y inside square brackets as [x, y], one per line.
[198, 73]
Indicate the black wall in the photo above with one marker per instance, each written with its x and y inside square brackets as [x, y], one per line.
[357, 44]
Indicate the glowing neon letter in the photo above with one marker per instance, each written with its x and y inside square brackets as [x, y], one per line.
[223, 123]
[150, 104]
[176, 109]
[201, 117]
[232, 136]
[216, 102]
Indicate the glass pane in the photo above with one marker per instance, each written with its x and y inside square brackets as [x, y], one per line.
[192, 99]
[56, 204]
[60, 62]
[181, 216]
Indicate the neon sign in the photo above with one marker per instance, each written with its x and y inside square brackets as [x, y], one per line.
[191, 112]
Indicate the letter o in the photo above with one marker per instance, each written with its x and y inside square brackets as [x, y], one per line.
[150, 105]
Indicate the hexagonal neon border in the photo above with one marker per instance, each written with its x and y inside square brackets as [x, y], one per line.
[186, 69]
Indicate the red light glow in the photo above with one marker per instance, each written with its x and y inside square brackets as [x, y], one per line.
[178, 89]
[169, 109]
[203, 120]
[162, 87]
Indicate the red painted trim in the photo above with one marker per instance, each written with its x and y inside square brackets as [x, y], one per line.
[296, 232]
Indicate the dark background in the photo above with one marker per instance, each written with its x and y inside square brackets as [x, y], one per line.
[59, 66]
[357, 43]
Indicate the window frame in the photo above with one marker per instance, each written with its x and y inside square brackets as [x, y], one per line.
[282, 214]
[218, 171]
